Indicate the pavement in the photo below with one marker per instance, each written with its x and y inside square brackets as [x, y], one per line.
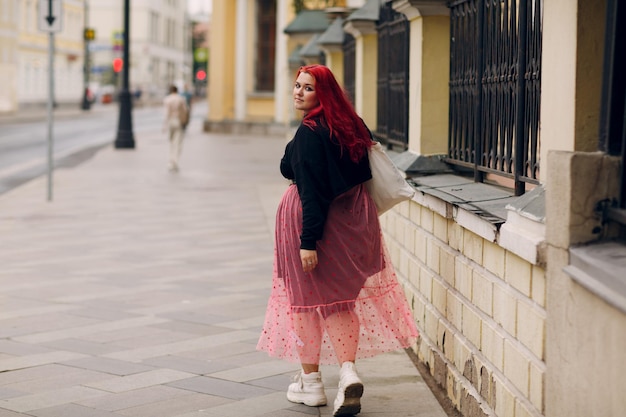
[139, 292]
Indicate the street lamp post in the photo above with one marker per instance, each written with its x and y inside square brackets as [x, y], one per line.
[86, 104]
[125, 138]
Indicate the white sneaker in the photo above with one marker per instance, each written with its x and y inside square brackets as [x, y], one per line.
[307, 389]
[348, 400]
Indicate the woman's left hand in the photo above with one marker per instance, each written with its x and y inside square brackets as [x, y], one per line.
[309, 259]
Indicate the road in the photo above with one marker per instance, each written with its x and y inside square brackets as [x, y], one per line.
[76, 136]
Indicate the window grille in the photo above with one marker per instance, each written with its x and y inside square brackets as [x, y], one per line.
[349, 70]
[494, 111]
[393, 77]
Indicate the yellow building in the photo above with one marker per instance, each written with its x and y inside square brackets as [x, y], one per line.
[24, 56]
[8, 52]
[508, 118]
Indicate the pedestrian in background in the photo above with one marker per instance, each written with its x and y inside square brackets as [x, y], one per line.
[335, 296]
[176, 115]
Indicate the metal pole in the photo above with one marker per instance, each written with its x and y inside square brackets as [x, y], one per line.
[125, 138]
[50, 110]
[86, 104]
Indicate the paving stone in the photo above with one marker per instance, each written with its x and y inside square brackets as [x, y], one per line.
[220, 388]
[171, 348]
[186, 327]
[6, 393]
[71, 410]
[141, 380]
[134, 398]
[102, 314]
[179, 363]
[47, 399]
[225, 351]
[251, 407]
[37, 360]
[264, 369]
[275, 382]
[68, 378]
[20, 349]
[90, 329]
[303, 411]
[175, 406]
[82, 346]
[9, 413]
[31, 373]
[109, 366]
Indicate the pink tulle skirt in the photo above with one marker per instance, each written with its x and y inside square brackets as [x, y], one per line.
[354, 276]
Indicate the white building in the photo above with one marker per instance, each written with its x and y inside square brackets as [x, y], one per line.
[160, 44]
[160, 47]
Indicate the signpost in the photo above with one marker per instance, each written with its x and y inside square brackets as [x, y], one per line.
[50, 20]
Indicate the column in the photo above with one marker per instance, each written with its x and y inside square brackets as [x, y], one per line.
[241, 63]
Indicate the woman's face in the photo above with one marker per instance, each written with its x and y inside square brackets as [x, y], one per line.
[304, 95]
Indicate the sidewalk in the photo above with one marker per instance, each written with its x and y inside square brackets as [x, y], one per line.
[137, 292]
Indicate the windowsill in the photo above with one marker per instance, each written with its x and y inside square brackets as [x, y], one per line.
[517, 224]
[490, 211]
[601, 268]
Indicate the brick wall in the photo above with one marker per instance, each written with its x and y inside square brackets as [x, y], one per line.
[479, 307]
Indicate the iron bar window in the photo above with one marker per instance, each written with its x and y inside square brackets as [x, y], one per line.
[393, 77]
[349, 66]
[612, 138]
[495, 86]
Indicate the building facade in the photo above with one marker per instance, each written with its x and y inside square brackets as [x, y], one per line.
[508, 119]
[8, 55]
[160, 45]
[24, 55]
[160, 36]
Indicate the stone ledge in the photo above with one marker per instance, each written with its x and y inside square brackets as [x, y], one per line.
[491, 212]
[601, 268]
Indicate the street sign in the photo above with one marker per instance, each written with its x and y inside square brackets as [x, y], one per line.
[50, 16]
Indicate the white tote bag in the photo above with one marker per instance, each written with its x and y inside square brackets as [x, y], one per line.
[387, 186]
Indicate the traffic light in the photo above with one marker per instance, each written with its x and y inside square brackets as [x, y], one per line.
[89, 34]
[200, 75]
[118, 64]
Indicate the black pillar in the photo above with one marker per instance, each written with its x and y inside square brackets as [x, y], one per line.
[125, 138]
[86, 104]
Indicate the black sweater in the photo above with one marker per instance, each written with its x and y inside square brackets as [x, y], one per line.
[321, 171]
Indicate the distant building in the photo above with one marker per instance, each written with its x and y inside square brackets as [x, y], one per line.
[8, 54]
[160, 44]
[24, 55]
[160, 36]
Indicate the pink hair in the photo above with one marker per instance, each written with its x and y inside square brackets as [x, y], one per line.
[336, 113]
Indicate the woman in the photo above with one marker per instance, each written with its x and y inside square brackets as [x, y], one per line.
[335, 296]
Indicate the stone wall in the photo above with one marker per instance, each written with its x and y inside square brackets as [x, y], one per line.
[480, 308]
